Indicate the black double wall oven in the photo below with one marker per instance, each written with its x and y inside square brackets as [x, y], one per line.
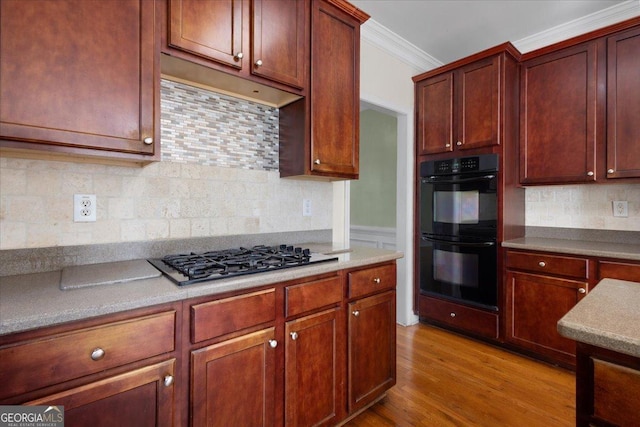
[458, 211]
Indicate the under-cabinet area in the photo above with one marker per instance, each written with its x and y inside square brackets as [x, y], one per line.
[293, 352]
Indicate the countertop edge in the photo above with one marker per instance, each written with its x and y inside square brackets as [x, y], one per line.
[576, 247]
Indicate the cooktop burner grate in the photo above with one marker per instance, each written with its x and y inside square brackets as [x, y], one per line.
[185, 269]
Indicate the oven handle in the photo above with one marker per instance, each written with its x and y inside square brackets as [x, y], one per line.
[458, 181]
[467, 244]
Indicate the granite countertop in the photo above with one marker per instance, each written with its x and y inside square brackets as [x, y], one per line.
[630, 251]
[608, 317]
[29, 301]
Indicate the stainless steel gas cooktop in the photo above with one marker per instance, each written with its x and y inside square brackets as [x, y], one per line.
[185, 269]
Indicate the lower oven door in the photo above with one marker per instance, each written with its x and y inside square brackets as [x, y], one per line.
[460, 270]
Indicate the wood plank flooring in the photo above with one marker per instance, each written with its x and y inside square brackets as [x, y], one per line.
[448, 380]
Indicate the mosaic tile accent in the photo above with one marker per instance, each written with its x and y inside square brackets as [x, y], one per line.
[207, 128]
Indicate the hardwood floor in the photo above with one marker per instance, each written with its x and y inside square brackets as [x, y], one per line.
[448, 380]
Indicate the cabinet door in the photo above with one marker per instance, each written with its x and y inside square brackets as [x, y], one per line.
[372, 348]
[335, 91]
[70, 79]
[279, 50]
[623, 105]
[478, 104]
[212, 29]
[142, 397]
[535, 304]
[435, 103]
[559, 115]
[313, 392]
[233, 382]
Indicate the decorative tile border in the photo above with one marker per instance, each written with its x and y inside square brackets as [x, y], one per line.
[208, 128]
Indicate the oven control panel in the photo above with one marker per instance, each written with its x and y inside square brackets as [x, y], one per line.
[483, 163]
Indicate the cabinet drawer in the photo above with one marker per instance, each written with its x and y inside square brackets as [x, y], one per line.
[215, 318]
[312, 295]
[458, 316]
[52, 360]
[363, 282]
[619, 270]
[615, 393]
[550, 264]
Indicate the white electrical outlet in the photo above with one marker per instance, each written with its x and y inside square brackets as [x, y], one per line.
[84, 207]
[306, 207]
[620, 208]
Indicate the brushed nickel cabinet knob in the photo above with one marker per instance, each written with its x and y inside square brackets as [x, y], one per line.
[97, 354]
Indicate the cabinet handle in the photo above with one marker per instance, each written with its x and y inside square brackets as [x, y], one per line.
[274, 343]
[258, 63]
[376, 280]
[316, 161]
[97, 354]
[582, 291]
[148, 140]
[294, 335]
[590, 173]
[610, 171]
[356, 313]
[459, 143]
[542, 263]
[168, 380]
[452, 314]
[238, 56]
[447, 145]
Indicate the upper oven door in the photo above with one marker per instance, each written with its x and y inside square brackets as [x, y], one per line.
[459, 205]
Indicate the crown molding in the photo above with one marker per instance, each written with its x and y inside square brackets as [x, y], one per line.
[387, 40]
[603, 18]
[390, 42]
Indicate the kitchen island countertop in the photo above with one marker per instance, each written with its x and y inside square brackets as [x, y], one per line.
[29, 301]
[608, 317]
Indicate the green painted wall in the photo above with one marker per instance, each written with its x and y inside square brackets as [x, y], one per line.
[373, 196]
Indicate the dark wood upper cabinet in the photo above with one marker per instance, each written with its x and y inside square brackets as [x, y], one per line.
[280, 40]
[459, 107]
[70, 83]
[319, 134]
[435, 103]
[268, 39]
[559, 115]
[211, 29]
[579, 109]
[623, 105]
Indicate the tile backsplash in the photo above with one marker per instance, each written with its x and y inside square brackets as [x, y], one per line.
[218, 176]
[207, 128]
[582, 206]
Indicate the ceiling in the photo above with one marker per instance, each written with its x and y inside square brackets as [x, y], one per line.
[452, 29]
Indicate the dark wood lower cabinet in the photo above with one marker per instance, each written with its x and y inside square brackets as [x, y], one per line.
[313, 370]
[535, 304]
[607, 388]
[482, 323]
[233, 382]
[372, 348]
[280, 355]
[141, 397]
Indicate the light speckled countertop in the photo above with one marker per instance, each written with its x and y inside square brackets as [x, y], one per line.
[577, 247]
[608, 317]
[29, 301]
